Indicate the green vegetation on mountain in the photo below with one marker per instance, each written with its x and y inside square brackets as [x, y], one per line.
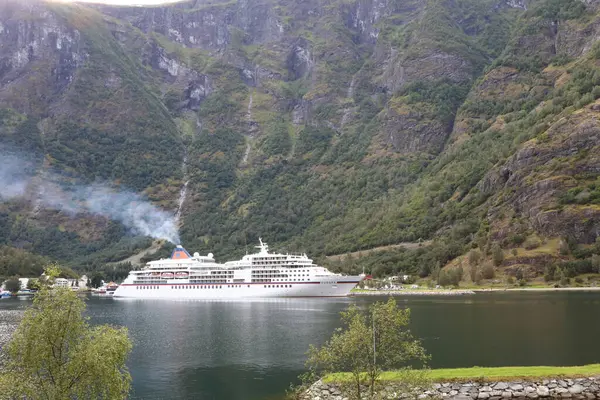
[324, 129]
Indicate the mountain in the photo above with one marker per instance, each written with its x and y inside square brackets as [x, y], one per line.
[330, 126]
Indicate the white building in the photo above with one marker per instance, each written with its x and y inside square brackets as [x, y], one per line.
[61, 282]
[24, 282]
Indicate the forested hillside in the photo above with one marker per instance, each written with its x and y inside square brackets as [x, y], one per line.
[329, 126]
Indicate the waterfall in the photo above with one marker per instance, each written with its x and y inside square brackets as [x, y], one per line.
[182, 196]
[246, 153]
[350, 96]
[183, 191]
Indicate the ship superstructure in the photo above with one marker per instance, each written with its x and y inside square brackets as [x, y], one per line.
[262, 274]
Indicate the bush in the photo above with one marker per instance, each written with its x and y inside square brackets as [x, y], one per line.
[532, 242]
[596, 263]
[488, 272]
[563, 247]
[564, 281]
[497, 255]
[474, 257]
[517, 239]
[519, 274]
[549, 273]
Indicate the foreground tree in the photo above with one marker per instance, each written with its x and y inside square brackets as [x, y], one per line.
[54, 353]
[370, 342]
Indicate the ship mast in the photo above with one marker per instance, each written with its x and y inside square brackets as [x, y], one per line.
[264, 248]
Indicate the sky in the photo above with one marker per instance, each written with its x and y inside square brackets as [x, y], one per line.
[126, 2]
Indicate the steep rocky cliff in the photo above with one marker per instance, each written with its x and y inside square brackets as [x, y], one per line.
[326, 125]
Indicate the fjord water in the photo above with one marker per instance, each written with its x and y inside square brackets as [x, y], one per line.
[252, 350]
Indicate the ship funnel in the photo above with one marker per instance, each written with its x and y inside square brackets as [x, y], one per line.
[179, 253]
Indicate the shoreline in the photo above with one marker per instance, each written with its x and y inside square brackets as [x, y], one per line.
[542, 289]
[465, 292]
[432, 292]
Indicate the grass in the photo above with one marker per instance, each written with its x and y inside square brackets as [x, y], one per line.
[487, 373]
[550, 247]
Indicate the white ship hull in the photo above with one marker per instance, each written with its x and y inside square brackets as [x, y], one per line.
[340, 288]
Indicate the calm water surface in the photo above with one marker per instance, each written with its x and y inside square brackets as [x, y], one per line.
[252, 350]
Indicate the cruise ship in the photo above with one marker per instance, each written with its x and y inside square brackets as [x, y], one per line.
[258, 275]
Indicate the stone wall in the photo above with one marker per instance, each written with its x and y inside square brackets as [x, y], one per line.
[580, 389]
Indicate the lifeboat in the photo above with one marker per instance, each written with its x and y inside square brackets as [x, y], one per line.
[181, 274]
[167, 274]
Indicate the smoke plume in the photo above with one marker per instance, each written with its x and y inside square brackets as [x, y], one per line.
[17, 180]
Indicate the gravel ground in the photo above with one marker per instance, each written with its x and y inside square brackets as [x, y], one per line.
[9, 320]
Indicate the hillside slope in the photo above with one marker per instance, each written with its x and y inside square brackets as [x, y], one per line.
[328, 127]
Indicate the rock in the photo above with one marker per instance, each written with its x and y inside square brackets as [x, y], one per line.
[562, 383]
[516, 386]
[566, 395]
[461, 397]
[529, 389]
[465, 389]
[561, 390]
[532, 395]
[436, 386]
[576, 389]
[483, 395]
[485, 389]
[445, 389]
[507, 394]
[501, 386]
[543, 391]
[552, 385]
[496, 393]
[453, 392]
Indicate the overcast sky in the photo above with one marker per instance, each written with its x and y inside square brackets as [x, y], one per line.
[126, 2]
